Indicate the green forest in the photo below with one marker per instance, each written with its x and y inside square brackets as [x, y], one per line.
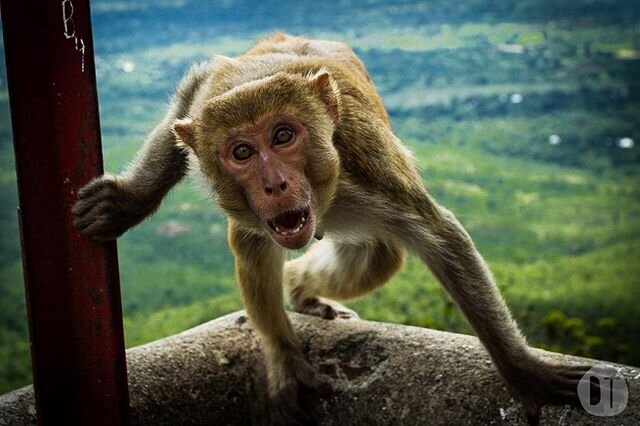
[524, 117]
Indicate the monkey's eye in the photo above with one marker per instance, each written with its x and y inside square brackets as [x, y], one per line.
[242, 152]
[282, 135]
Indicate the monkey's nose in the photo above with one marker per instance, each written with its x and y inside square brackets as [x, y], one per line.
[276, 189]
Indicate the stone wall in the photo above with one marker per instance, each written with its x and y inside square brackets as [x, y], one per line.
[382, 374]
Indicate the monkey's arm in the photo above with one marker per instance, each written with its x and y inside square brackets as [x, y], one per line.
[457, 264]
[259, 270]
[110, 204]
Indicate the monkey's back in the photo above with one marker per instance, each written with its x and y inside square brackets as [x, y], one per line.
[298, 55]
[302, 47]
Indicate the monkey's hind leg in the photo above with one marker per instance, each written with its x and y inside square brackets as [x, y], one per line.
[338, 270]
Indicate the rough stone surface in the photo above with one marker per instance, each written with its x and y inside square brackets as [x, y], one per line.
[382, 374]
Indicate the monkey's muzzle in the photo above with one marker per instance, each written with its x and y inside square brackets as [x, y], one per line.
[292, 229]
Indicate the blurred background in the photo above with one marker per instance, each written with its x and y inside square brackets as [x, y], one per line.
[524, 116]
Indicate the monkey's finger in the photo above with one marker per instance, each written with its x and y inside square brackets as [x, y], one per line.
[89, 225]
[85, 203]
[97, 184]
[565, 380]
[101, 230]
[348, 315]
[579, 367]
[97, 212]
[577, 370]
[84, 221]
[80, 207]
[90, 188]
[84, 206]
[93, 194]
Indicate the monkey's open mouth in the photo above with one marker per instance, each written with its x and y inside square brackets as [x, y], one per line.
[289, 223]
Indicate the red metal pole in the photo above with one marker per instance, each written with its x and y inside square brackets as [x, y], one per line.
[72, 286]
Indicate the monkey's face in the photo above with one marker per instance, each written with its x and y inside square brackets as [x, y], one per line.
[267, 148]
[267, 159]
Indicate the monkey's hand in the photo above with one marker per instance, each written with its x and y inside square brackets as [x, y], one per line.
[293, 389]
[541, 382]
[107, 207]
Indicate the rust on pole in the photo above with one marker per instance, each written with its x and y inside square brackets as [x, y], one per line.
[71, 283]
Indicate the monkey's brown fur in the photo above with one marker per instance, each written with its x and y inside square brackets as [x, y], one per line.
[360, 187]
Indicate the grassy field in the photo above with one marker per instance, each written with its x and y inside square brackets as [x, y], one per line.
[519, 114]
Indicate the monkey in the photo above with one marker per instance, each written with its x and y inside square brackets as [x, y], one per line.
[296, 145]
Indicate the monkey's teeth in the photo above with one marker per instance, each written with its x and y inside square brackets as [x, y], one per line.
[302, 220]
[294, 231]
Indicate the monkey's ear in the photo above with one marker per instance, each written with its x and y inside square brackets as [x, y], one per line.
[184, 129]
[327, 89]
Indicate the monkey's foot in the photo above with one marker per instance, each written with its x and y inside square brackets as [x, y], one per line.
[325, 308]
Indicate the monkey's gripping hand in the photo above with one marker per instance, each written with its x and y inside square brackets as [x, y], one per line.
[539, 382]
[108, 206]
[291, 391]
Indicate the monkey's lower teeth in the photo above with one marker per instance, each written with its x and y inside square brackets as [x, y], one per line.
[293, 231]
[291, 224]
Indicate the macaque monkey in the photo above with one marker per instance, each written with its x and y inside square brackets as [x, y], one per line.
[295, 143]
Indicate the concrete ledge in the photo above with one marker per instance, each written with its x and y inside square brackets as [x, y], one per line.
[382, 374]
